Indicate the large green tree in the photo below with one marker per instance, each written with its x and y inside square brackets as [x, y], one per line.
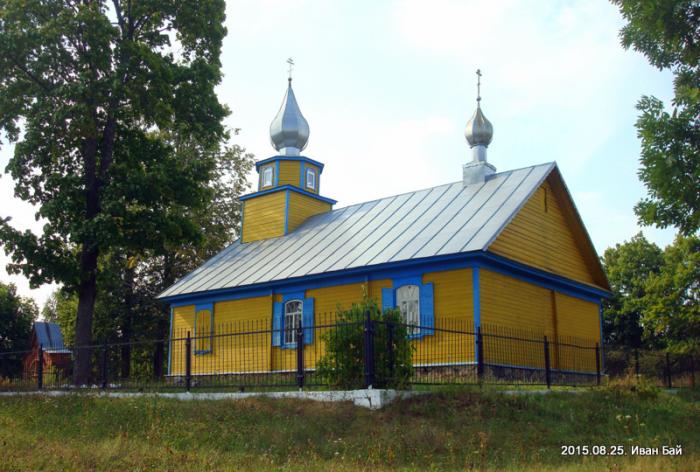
[89, 90]
[667, 32]
[629, 267]
[126, 308]
[673, 297]
[16, 317]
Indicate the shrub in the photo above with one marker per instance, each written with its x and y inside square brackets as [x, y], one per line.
[342, 365]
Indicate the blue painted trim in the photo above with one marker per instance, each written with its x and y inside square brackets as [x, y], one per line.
[415, 279]
[288, 187]
[261, 180]
[407, 268]
[286, 212]
[197, 308]
[170, 341]
[301, 175]
[601, 345]
[277, 173]
[306, 179]
[240, 235]
[289, 158]
[399, 282]
[293, 296]
[476, 297]
[540, 277]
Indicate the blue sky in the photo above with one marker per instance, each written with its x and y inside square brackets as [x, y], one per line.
[387, 87]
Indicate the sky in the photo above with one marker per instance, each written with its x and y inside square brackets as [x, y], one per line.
[388, 86]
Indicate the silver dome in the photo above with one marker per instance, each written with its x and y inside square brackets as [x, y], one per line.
[289, 130]
[479, 130]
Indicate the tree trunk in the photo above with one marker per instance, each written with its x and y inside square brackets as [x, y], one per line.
[83, 322]
[127, 328]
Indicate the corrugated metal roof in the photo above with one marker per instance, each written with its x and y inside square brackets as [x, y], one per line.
[50, 337]
[447, 219]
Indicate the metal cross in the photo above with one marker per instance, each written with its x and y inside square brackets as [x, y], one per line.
[478, 85]
[290, 61]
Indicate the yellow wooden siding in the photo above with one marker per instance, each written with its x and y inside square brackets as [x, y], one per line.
[263, 216]
[578, 322]
[290, 173]
[518, 308]
[514, 308]
[229, 353]
[541, 236]
[511, 307]
[302, 207]
[454, 313]
[182, 324]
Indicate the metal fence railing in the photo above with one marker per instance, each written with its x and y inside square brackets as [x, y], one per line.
[254, 355]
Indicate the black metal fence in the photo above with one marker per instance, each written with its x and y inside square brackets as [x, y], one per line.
[253, 355]
[665, 369]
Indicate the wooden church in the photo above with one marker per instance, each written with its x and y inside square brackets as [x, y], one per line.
[505, 249]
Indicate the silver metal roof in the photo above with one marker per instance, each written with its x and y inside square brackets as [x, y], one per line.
[447, 219]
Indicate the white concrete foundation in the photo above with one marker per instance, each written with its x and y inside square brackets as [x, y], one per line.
[369, 398]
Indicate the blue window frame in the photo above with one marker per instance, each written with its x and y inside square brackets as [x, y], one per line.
[267, 177]
[416, 302]
[285, 314]
[203, 329]
[311, 178]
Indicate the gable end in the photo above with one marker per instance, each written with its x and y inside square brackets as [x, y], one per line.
[547, 233]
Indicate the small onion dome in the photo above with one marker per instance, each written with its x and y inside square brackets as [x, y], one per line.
[479, 130]
[289, 131]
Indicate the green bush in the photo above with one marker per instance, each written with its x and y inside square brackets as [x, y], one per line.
[342, 365]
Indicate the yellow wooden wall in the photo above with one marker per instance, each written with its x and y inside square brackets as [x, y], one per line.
[454, 312]
[263, 216]
[517, 308]
[514, 308]
[302, 207]
[230, 353]
[290, 173]
[578, 323]
[544, 235]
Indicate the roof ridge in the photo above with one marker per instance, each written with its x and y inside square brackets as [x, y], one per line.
[449, 183]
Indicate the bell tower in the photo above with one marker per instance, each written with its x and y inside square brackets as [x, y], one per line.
[288, 183]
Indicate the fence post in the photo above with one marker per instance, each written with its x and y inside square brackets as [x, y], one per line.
[547, 370]
[369, 351]
[597, 364]
[636, 362]
[300, 356]
[668, 370]
[188, 362]
[40, 368]
[103, 365]
[390, 352]
[479, 354]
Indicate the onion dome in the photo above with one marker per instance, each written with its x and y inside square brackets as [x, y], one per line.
[479, 130]
[289, 131]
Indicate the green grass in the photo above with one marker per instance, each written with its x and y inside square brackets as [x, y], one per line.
[458, 429]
